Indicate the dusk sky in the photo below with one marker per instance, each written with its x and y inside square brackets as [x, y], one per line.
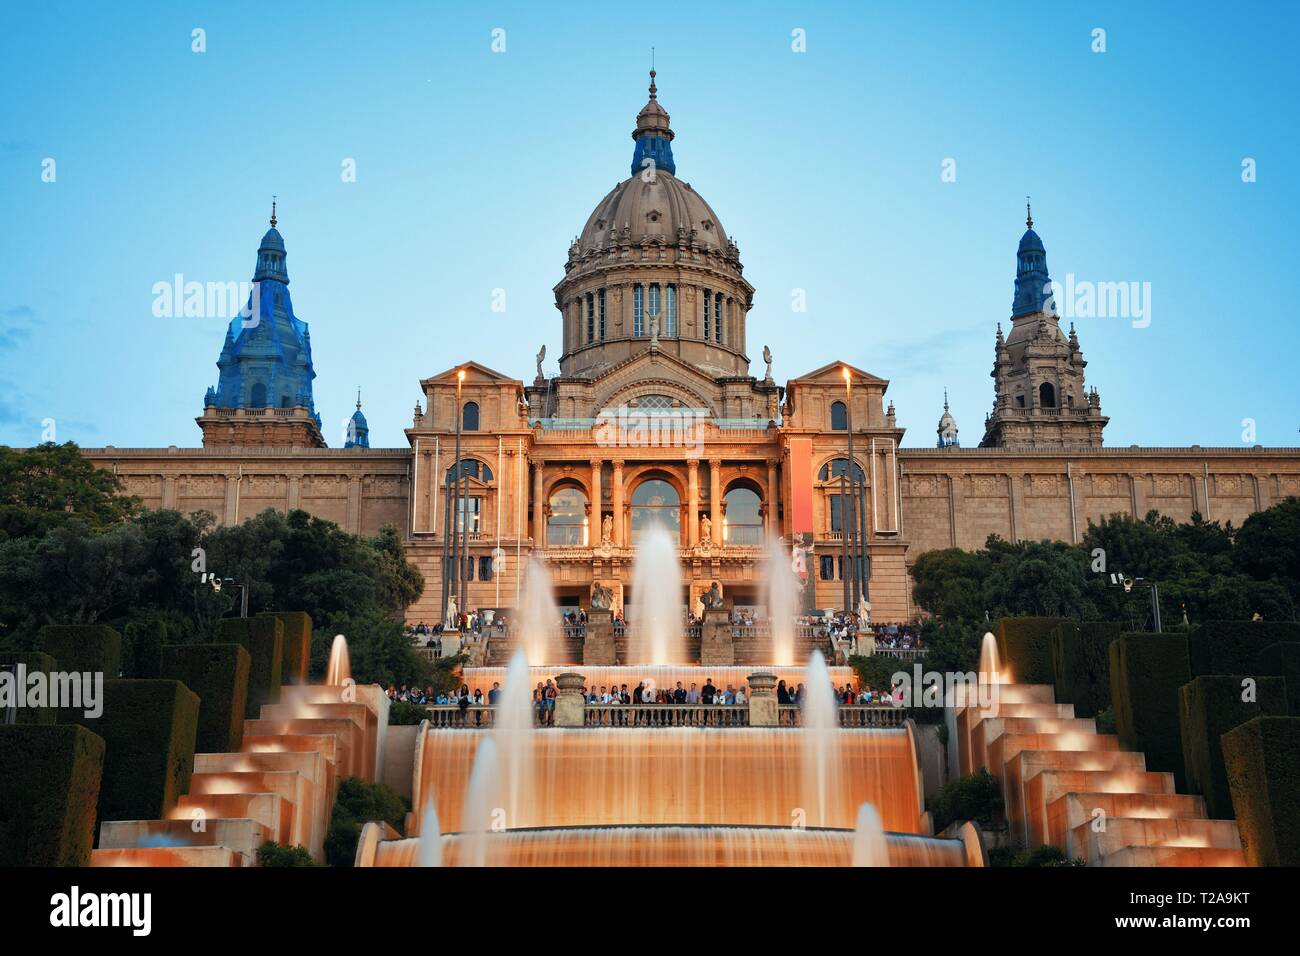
[475, 169]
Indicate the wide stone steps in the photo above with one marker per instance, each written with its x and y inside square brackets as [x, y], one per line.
[280, 786]
[1066, 785]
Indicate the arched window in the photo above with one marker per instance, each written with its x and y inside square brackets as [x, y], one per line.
[1047, 395]
[284, 402]
[469, 419]
[258, 397]
[708, 313]
[655, 502]
[743, 524]
[591, 317]
[839, 417]
[638, 310]
[717, 318]
[566, 525]
[654, 403]
[600, 302]
[839, 466]
[670, 312]
[471, 468]
[654, 311]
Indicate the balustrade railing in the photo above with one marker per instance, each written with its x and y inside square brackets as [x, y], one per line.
[667, 715]
[854, 715]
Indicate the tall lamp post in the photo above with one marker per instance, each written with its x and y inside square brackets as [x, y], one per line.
[1130, 583]
[857, 510]
[461, 544]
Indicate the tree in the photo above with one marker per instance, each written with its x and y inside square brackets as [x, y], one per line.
[1268, 546]
[49, 485]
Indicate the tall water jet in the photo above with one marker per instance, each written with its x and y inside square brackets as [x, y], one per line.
[429, 850]
[870, 846]
[657, 600]
[820, 733]
[340, 667]
[482, 801]
[539, 615]
[991, 677]
[513, 732]
[781, 601]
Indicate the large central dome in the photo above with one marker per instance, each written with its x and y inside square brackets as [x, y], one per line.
[653, 257]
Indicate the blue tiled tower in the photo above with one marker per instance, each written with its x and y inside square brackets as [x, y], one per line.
[264, 392]
[358, 431]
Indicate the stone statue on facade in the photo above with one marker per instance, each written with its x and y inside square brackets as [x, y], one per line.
[541, 357]
[452, 620]
[712, 598]
[602, 597]
[654, 331]
[606, 529]
[767, 357]
[706, 529]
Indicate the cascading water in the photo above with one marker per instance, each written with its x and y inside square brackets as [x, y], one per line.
[539, 615]
[482, 801]
[513, 733]
[821, 738]
[429, 849]
[870, 846]
[340, 667]
[781, 602]
[657, 600]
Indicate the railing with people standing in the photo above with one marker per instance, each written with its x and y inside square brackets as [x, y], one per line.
[666, 715]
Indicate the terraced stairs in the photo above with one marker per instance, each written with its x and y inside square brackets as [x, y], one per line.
[1066, 785]
[280, 786]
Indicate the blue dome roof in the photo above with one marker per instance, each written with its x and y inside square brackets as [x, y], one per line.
[272, 240]
[359, 418]
[1031, 241]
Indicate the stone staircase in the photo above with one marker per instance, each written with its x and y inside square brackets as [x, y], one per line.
[280, 786]
[1066, 785]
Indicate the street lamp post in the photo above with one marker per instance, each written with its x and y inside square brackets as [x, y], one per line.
[857, 519]
[459, 506]
[1130, 583]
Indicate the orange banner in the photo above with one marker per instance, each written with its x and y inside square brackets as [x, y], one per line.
[801, 485]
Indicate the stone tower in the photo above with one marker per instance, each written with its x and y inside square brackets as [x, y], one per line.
[947, 429]
[1039, 395]
[263, 394]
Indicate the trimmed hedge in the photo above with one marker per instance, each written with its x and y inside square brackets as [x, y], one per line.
[1209, 707]
[218, 673]
[1025, 647]
[149, 727]
[49, 785]
[35, 662]
[1262, 757]
[297, 644]
[143, 642]
[1146, 671]
[1081, 665]
[263, 638]
[83, 647]
[1283, 660]
[1232, 647]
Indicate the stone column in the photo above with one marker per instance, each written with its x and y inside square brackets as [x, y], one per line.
[715, 500]
[539, 522]
[762, 700]
[693, 502]
[616, 494]
[232, 501]
[570, 708]
[169, 492]
[354, 504]
[593, 537]
[772, 500]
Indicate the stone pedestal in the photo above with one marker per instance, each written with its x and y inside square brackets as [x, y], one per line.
[598, 648]
[570, 708]
[762, 700]
[716, 646]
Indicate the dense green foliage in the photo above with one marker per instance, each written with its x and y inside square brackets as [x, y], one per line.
[1283, 660]
[403, 714]
[876, 671]
[49, 785]
[84, 648]
[1262, 759]
[74, 550]
[976, 797]
[1146, 671]
[263, 638]
[1081, 665]
[218, 674]
[1209, 707]
[271, 853]
[1207, 570]
[1045, 855]
[34, 662]
[1232, 647]
[359, 803]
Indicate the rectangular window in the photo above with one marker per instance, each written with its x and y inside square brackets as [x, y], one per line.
[638, 310]
[485, 569]
[717, 318]
[828, 567]
[468, 515]
[670, 313]
[591, 318]
[839, 506]
[601, 312]
[654, 312]
[708, 310]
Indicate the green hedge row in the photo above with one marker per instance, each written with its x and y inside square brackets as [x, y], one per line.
[1081, 665]
[1262, 757]
[149, 728]
[218, 673]
[1283, 660]
[1025, 647]
[49, 785]
[263, 638]
[142, 648]
[34, 662]
[1146, 672]
[1232, 647]
[83, 647]
[1209, 707]
[296, 653]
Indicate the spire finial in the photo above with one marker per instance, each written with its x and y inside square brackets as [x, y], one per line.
[273, 211]
[358, 398]
[1029, 216]
[945, 398]
[653, 89]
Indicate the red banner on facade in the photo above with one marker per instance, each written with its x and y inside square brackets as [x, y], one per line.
[801, 485]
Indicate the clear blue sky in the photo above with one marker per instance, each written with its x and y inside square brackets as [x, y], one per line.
[475, 169]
